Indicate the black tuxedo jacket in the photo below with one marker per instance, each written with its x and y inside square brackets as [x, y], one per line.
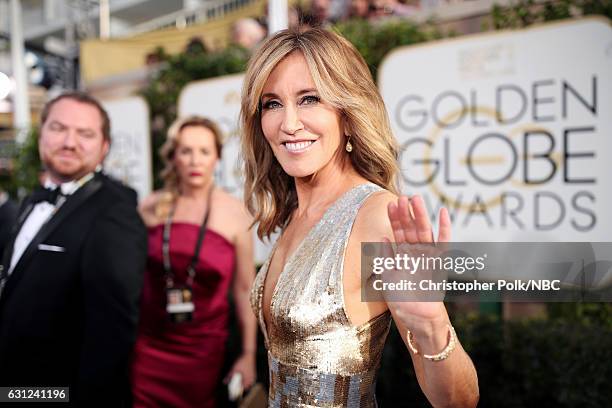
[8, 215]
[68, 316]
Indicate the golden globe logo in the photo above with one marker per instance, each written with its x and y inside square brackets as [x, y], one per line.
[508, 130]
[498, 148]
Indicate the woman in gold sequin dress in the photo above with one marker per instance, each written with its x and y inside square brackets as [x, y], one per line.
[321, 164]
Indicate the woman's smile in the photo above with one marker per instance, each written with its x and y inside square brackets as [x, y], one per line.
[298, 146]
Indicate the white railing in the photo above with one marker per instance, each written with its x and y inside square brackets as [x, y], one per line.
[183, 18]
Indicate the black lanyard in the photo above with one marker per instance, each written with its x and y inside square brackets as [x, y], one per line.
[166, 246]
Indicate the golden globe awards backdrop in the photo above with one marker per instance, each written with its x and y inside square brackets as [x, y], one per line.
[511, 131]
[129, 159]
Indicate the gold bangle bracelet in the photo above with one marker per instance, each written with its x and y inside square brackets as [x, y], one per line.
[452, 343]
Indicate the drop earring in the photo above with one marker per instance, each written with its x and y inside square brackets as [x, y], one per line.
[349, 146]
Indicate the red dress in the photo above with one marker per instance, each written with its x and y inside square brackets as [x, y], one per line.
[179, 364]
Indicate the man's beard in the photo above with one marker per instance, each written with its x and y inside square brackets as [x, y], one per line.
[53, 165]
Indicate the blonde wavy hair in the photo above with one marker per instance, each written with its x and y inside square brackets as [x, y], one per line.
[169, 174]
[343, 80]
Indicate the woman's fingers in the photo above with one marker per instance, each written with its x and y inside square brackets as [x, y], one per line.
[396, 224]
[407, 220]
[421, 220]
[444, 229]
[401, 220]
[410, 222]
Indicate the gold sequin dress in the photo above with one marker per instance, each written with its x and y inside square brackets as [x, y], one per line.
[316, 357]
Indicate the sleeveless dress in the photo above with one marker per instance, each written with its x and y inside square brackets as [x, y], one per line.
[179, 364]
[316, 357]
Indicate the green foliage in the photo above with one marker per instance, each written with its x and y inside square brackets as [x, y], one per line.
[596, 7]
[533, 363]
[26, 167]
[527, 12]
[583, 313]
[27, 164]
[374, 41]
[7, 153]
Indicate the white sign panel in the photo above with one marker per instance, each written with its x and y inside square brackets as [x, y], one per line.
[511, 131]
[219, 99]
[129, 159]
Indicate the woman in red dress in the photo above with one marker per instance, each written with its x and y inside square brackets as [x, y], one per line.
[200, 247]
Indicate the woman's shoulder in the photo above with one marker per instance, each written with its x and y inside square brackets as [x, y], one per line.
[231, 205]
[149, 206]
[372, 222]
[377, 202]
[152, 200]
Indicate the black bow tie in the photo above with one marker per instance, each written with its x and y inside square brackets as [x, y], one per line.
[46, 194]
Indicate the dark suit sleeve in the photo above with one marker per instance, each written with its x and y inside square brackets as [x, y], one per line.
[8, 218]
[112, 272]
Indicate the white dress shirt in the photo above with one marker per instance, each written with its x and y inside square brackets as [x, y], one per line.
[39, 215]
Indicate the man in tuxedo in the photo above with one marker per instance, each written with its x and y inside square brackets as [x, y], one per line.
[72, 274]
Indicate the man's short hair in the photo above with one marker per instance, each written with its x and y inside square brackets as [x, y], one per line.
[82, 98]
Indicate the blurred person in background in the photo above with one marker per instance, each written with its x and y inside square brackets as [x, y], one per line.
[319, 13]
[200, 248]
[294, 16]
[339, 10]
[359, 9]
[72, 271]
[390, 8]
[247, 33]
[8, 215]
[321, 166]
